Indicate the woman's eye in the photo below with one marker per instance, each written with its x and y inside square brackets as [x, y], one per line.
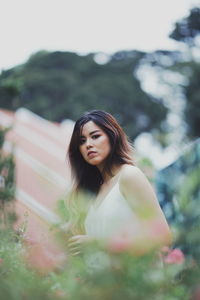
[81, 142]
[96, 136]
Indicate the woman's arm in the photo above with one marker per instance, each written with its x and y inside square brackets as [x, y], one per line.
[149, 227]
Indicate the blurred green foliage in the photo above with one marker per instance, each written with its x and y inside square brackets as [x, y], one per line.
[7, 183]
[17, 280]
[105, 273]
[99, 273]
[188, 28]
[178, 190]
[192, 92]
[60, 85]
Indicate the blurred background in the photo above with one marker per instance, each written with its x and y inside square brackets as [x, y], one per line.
[139, 60]
[136, 59]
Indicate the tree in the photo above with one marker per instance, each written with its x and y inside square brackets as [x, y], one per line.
[188, 28]
[192, 110]
[7, 184]
[59, 85]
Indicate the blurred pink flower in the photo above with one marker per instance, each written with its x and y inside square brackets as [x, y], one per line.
[196, 295]
[4, 172]
[119, 244]
[41, 257]
[77, 278]
[174, 256]
[60, 293]
[1, 260]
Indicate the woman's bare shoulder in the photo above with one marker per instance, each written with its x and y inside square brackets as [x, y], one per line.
[132, 175]
[129, 171]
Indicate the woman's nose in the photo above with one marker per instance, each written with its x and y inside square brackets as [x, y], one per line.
[88, 143]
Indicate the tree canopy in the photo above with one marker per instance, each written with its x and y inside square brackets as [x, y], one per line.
[59, 85]
[62, 85]
[187, 28]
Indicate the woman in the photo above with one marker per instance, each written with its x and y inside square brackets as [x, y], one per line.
[124, 205]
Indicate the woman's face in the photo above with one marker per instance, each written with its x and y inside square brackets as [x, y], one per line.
[94, 144]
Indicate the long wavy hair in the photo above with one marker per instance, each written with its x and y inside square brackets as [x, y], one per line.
[88, 177]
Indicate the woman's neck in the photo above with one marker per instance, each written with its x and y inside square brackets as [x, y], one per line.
[115, 170]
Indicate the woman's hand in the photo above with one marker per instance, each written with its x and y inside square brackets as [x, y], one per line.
[76, 243]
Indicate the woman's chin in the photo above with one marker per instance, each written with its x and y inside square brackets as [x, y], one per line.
[94, 162]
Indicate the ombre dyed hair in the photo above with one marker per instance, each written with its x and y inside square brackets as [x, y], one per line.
[88, 177]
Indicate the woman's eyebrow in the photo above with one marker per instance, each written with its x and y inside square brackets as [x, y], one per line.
[91, 132]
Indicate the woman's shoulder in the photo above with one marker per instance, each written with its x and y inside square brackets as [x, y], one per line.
[129, 171]
[131, 174]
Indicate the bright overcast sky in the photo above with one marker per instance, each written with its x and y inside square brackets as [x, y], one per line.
[83, 26]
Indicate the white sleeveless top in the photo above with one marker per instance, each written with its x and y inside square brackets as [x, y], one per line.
[111, 217]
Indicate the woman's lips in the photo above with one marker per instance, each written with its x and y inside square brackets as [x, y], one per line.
[91, 154]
